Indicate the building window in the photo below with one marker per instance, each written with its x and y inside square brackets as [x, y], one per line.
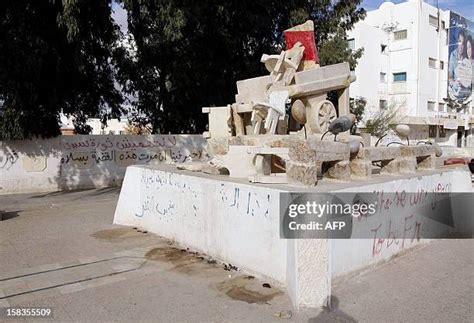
[383, 77]
[383, 104]
[399, 35]
[351, 43]
[442, 132]
[400, 77]
[433, 21]
[441, 65]
[431, 62]
[432, 131]
[431, 106]
[441, 107]
[383, 48]
[443, 24]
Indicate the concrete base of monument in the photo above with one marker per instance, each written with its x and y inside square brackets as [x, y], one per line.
[239, 222]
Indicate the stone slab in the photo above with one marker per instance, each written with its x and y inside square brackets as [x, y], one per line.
[379, 153]
[254, 89]
[322, 73]
[417, 151]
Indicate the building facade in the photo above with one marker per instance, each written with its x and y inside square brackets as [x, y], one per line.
[411, 63]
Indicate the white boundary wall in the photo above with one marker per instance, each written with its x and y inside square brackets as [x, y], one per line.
[87, 161]
[238, 222]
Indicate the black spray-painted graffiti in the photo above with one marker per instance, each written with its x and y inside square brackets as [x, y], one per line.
[159, 191]
[9, 159]
[245, 200]
[176, 156]
[158, 184]
[166, 141]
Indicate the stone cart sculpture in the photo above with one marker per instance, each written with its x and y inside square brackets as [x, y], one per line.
[283, 129]
[295, 80]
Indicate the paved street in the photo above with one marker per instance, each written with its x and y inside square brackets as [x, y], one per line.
[60, 250]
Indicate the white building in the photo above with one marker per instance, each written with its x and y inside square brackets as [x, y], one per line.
[405, 64]
[114, 126]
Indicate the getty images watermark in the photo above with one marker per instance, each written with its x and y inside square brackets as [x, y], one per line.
[379, 215]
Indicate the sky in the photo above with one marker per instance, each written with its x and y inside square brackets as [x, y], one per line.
[463, 7]
[120, 16]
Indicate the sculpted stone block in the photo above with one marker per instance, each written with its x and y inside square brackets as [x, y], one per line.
[361, 168]
[220, 121]
[330, 150]
[301, 174]
[417, 151]
[336, 170]
[218, 145]
[426, 162]
[413, 157]
[254, 89]
[273, 141]
[407, 164]
[323, 73]
[361, 164]
[301, 152]
[390, 167]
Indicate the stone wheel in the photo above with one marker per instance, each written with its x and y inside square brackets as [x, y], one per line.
[325, 114]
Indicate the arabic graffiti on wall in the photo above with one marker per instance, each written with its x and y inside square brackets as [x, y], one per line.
[123, 151]
[104, 143]
[80, 158]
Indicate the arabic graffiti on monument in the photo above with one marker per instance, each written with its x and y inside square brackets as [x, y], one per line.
[158, 198]
[159, 190]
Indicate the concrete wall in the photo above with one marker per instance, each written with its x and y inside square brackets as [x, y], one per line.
[238, 222]
[404, 227]
[232, 221]
[87, 161]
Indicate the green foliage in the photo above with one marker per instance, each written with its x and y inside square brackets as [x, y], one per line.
[381, 122]
[189, 54]
[55, 56]
[334, 50]
[80, 124]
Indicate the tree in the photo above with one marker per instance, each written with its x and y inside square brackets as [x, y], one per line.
[380, 123]
[357, 108]
[189, 54]
[335, 50]
[55, 56]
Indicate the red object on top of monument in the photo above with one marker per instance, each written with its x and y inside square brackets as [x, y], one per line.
[306, 38]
